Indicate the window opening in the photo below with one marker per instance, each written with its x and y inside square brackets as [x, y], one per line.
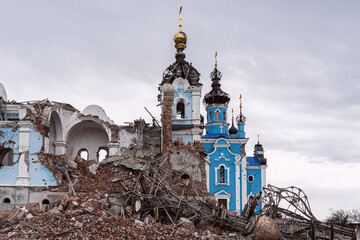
[83, 153]
[185, 176]
[6, 157]
[217, 115]
[180, 110]
[7, 200]
[222, 174]
[251, 178]
[211, 116]
[224, 116]
[102, 154]
[45, 202]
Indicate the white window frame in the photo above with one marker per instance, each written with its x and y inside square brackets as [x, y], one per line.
[216, 175]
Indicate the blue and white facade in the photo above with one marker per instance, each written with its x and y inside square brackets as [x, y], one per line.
[231, 176]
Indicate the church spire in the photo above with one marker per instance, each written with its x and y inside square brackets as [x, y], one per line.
[241, 118]
[216, 95]
[233, 129]
[180, 38]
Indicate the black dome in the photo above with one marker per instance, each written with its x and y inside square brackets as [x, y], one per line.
[233, 129]
[216, 95]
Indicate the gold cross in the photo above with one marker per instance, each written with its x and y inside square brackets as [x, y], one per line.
[221, 127]
[180, 25]
[215, 58]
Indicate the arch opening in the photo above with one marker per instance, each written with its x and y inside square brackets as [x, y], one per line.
[180, 110]
[56, 132]
[6, 157]
[7, 201]
[89, 136]
[102, 153]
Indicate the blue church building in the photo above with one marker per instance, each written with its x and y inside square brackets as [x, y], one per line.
[231, 175]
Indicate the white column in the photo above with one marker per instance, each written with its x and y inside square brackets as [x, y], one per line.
[263, 176]
[237, 176]
[113, 148]
[244, 181]
[24, 140]
[60, 147]
[196, 107]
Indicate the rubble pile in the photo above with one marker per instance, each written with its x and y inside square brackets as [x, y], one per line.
[132, 196]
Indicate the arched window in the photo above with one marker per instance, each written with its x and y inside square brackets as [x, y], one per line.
[83, 153]
[180, 110]
[217, 115]
[102, 154]
[224, 116]
[210, 115]
[45, 201]
[6, 157]
[222, 174]
[7, 200]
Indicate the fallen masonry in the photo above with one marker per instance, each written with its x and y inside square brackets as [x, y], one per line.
[135, 198]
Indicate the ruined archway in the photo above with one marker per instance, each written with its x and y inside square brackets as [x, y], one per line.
[87, 135]
[56, 133]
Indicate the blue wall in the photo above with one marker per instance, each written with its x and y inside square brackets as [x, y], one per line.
[39, 175]
[10, 136]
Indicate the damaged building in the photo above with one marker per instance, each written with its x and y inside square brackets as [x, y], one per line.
[44, 142]
[33, 131]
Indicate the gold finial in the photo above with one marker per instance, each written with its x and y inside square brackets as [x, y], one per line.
[232, 111]
[180, 37]
[258, 139]
[240, 101]
[180, 25]
[215, 58]
[221, 127]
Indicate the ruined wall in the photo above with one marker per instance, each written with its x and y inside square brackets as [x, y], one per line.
[168, 99]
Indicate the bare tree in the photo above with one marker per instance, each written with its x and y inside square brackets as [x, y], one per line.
[343, 217]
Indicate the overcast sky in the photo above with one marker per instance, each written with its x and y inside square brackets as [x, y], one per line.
[296, 63]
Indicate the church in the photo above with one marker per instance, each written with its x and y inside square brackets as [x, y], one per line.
[231, 175]
[37, 138]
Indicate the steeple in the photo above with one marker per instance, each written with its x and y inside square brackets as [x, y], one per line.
[216, 102]
[180, 37]
[259, 152]
[233, 129]
[241, 119]
[216, 95]
[181, 68]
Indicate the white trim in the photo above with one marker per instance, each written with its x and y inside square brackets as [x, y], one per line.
[222, 156]
[244, 181]
[228, 175]
[237, 181]
[263, 176]
[207, 170]
[227, 197]
[223, 145]
[254, 167]
[180, 98]
[182, 81]
[230, 140]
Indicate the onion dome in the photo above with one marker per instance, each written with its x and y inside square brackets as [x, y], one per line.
[181, 68]
[216, 95]
[233, 129]
[180, 38]
[241, 119]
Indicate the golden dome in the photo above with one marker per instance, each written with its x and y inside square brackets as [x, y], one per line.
[180, 37]
[180, 40]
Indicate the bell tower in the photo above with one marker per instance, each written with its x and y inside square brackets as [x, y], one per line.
[183, 80]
